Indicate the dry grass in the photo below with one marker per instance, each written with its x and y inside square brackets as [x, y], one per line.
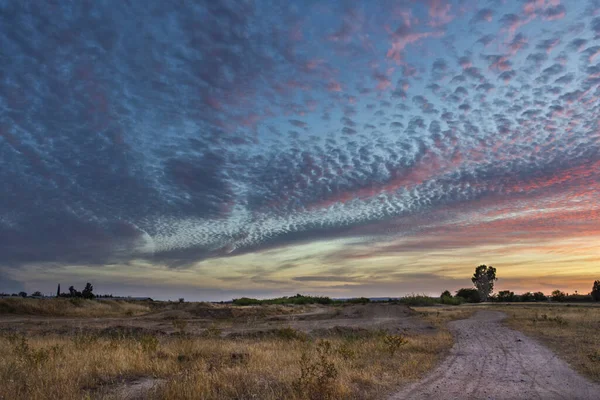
[572, 331]
[439, 316]
[214, 368]
[71, 307]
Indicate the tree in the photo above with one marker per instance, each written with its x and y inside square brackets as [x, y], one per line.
[483, 279]
[596, 291]
[58, 291]
[470, 295]
[73, 292]
[36, 294]
[87, 292]
[23, 294]
[527, 296]
[506, 296]
[446, 293]
[539, 296]
[558, 296]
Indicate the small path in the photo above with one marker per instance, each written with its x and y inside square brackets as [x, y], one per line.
[491, 361]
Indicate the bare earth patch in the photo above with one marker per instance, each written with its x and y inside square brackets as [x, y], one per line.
[133, 389]
[491, 361]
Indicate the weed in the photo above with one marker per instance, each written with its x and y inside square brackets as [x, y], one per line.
[346, 351]
[31, 357]
[393, 343]
[317, 372]
[149, 343]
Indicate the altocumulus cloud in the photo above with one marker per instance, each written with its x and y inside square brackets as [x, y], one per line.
[179, 133]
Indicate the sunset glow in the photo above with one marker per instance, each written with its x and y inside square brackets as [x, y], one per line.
[220, 149]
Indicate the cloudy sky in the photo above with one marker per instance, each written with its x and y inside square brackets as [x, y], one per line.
[214, 149]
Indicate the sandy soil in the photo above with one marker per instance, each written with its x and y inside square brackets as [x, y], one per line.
[491, 361]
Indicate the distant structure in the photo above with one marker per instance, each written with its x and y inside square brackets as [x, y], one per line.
[58, 291]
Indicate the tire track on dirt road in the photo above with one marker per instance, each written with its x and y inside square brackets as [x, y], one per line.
[491, 361]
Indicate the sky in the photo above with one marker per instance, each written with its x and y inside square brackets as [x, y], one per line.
[218, 149]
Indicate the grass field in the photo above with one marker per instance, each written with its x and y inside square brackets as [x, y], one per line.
[571, 331]
[64, 349]
[351, 363]
[72, 307]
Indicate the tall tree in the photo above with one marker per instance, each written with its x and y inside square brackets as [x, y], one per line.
[87, 292]
[58, 291]
[596, 291]
[483, 279]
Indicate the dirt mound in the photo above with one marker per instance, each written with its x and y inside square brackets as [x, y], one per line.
[359, 311]
[209, 311]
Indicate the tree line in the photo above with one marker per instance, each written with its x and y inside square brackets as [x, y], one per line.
[483, 281]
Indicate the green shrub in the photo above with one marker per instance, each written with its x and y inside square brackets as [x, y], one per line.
[418, 300]
[506, 296]
[469, 295]
[297, 299]
[359, 300]
[452, 301]
[558, 296]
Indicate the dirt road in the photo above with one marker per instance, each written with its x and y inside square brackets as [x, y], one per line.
[491, 361]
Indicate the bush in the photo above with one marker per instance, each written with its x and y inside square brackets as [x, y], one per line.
[297, 299]
[452, 301]
[539, 296]
[506, 296]
[418, 300]
[246, 301]
[558, 296]
[317, 373]
[469, 295]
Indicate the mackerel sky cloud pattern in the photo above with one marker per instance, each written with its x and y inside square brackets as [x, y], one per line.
[176, 132]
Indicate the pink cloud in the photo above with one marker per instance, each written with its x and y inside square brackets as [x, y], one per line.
[334, 87]
[439, 13]
[402, 37]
